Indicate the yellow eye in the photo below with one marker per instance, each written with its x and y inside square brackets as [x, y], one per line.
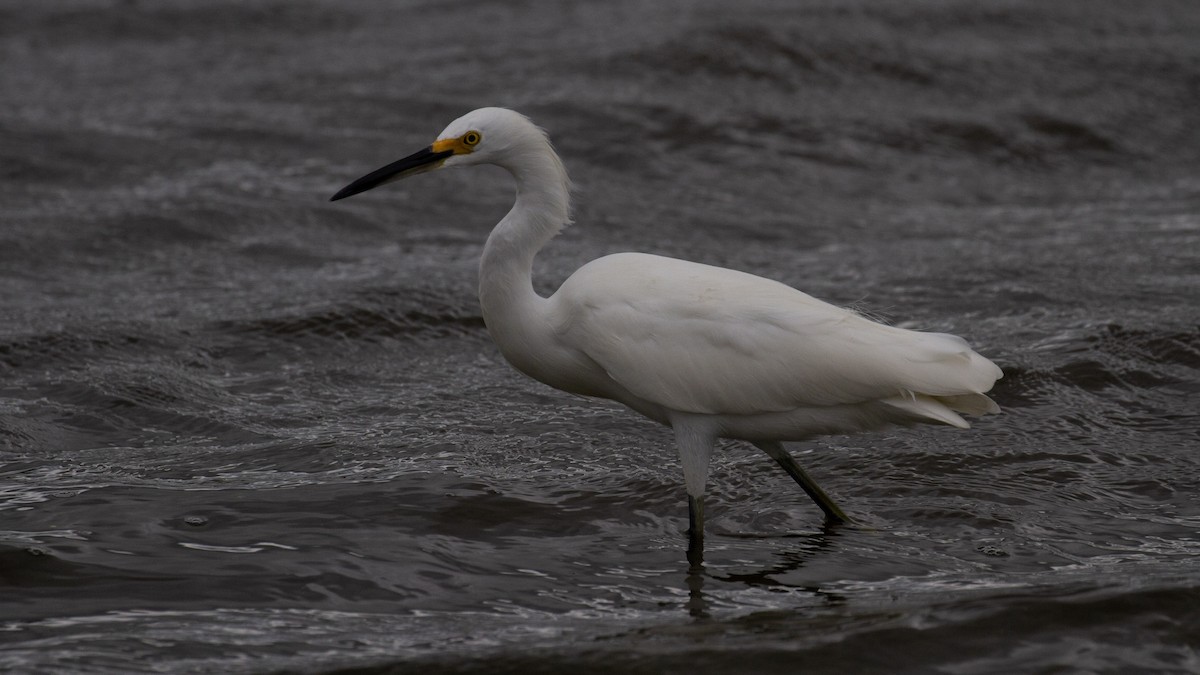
[471, 139]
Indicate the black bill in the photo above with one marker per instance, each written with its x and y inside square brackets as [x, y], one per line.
[418, 162]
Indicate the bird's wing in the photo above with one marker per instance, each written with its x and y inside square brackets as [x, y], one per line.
[703, 339]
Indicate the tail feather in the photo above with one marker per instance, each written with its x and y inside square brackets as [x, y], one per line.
[928, 408]
[971, 404]
[949, 368]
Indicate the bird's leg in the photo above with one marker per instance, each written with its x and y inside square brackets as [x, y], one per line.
[696, 517]
[833, 513]
[695, 551]
[695, 445]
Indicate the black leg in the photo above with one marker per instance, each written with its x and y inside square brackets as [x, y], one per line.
[695, 442]
[695, 551]
[775, 449]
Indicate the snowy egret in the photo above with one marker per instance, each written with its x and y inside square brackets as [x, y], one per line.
[710, 352]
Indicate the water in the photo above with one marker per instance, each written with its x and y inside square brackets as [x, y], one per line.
[244, 430]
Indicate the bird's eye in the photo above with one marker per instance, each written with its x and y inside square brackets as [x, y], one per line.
[471, 139]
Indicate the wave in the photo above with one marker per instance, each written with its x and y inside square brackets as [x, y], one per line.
[365, 320]
[161, 22]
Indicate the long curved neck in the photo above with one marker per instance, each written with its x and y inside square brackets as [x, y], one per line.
[511, 308]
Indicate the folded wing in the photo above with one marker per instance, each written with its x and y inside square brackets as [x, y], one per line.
[702, 339]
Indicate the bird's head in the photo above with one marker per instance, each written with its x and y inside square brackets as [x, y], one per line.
[483, 136]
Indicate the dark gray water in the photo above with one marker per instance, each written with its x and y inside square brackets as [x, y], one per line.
[243, 429]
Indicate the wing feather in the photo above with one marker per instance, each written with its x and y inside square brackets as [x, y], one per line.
[702, 339]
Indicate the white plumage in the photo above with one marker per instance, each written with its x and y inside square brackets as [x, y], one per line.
[711, 352]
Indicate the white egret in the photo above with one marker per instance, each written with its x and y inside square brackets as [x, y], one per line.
[710, 352]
